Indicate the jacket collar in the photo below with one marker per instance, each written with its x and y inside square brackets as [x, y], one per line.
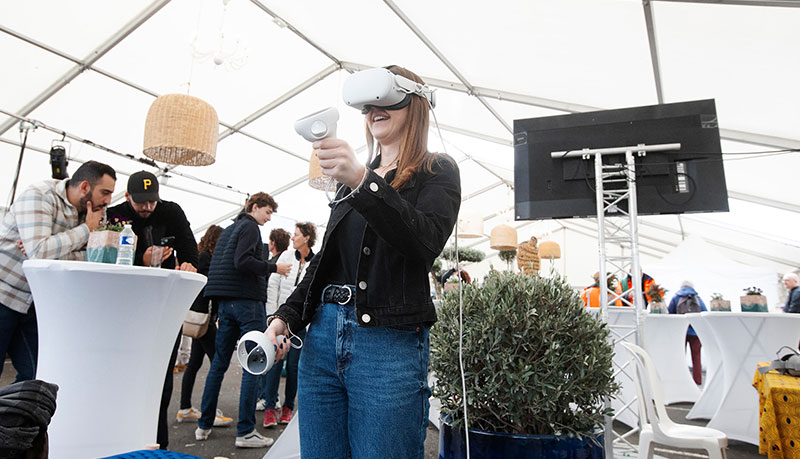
[308, 257]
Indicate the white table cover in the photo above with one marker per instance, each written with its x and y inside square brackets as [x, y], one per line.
[744, 339]
[713, 384]
[664, 340]
[105, 336]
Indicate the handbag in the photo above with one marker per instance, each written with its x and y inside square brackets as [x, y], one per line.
[195, 325]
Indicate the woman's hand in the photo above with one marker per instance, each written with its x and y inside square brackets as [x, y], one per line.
[278, 327]
[338, 160]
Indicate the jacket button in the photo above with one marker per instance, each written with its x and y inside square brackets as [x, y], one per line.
[367, 251]
[365, 318]
[374, 187]
[362, 285]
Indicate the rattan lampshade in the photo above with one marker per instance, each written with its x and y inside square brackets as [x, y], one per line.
[549, 249]
[503, 237]
[181, 129]
[316, 179]
[470, 224]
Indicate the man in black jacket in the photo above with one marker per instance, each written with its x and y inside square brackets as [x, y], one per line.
[152, 221]
[237, 278]
[792, 283]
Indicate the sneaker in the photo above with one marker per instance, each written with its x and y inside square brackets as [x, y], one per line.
[222, 421]
[201, 434]
[286, 415]
[189, 414]
[270, 418]
[261, 405]
[253, 440]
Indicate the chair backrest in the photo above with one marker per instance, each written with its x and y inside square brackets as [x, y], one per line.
[649, 389]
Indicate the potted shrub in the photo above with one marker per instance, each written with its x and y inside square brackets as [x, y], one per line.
[656, 295]
[537, 370]
[753, 300]
[508, 257]
[718, 303]
[104, 241]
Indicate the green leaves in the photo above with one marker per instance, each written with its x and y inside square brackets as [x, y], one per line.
[535, 361]
[464, 254]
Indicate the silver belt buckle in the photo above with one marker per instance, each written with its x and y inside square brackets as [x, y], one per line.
[349, 296]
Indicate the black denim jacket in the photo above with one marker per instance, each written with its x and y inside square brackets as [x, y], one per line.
[406, 230]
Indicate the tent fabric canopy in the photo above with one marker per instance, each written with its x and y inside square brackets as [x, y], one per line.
[91, 69]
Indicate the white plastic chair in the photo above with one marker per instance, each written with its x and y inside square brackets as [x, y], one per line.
[657, 427]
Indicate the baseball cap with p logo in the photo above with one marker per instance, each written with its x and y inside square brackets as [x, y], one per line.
[143, 187]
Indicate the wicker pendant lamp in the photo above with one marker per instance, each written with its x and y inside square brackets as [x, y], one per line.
[470, 224]
[316, 179]
[181, 129]
[503, 237]
[549, 250]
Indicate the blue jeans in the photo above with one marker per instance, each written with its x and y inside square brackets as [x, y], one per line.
[272, 379]
[363, 392]
[236, 317]
[19, 337]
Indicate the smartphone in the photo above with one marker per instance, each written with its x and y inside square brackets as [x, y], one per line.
[168, 241]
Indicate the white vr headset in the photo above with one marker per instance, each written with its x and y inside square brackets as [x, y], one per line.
[379, 87]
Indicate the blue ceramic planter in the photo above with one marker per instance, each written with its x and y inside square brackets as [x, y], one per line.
[488, 445]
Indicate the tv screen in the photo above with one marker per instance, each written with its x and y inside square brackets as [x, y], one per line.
[691, 179]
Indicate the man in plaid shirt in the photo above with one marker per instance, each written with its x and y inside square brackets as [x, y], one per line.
[49, 220]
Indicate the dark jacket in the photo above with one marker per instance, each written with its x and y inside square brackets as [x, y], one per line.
[167, 219]
[238, 268]
[405, 231]
[201, 303]
[793, 301]
[673, 304]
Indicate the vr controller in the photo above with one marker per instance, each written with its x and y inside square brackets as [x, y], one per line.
[381, 88]
[318, 125]
[256, 354]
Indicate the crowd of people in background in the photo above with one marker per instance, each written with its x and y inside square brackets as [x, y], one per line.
[53, 219]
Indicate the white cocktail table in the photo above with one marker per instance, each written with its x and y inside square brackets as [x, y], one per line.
[711, 395]
[744, 339]
[664, 339]
[105, 336]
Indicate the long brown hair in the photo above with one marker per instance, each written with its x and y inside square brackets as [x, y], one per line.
[414, 145]
[209, 240]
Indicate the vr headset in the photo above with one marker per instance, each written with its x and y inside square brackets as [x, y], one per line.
[379, 87]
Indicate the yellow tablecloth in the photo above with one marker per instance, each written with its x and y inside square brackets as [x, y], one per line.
[779, 414]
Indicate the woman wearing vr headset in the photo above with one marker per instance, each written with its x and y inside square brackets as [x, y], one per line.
[363, 389]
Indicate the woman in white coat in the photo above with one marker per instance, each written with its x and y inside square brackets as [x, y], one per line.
[279, 288]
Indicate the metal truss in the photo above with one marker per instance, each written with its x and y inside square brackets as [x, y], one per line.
[617, 226]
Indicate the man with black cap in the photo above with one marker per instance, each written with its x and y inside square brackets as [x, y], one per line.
[153, 221]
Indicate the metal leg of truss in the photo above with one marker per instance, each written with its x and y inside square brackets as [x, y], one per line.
[616, 194]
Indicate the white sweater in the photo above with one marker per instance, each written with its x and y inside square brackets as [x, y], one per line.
[280, 287]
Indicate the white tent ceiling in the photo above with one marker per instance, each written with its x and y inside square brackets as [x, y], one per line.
[92, 68]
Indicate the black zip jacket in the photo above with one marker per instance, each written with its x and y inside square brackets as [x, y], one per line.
[167, 219]
[406, 230]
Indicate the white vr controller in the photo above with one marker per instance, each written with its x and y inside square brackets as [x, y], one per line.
[318, 125]
[381, 88]
[256, 353]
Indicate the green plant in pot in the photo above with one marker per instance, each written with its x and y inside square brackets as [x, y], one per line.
[508, 257]
[753, 300]
[719, 303]
[656, 294]
[104, 241]
[537, 369]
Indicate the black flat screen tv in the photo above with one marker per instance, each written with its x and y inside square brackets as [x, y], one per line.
[691, 179]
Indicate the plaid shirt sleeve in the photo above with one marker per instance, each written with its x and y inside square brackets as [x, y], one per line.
[48, 226]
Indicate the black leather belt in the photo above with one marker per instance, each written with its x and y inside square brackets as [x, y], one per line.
[340, 294]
